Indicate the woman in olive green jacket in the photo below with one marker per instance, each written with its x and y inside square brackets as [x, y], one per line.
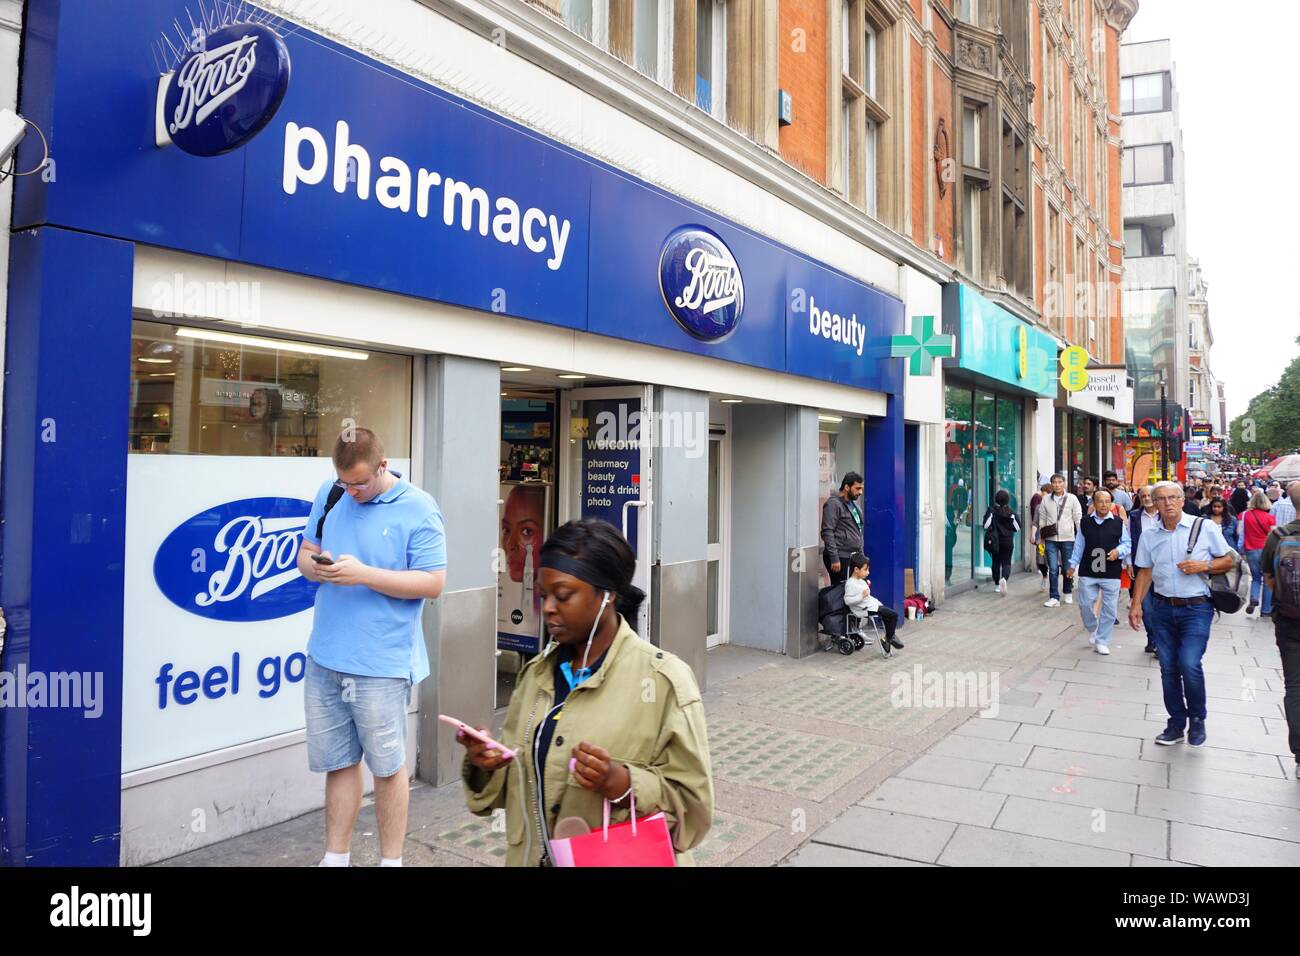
[602, 713]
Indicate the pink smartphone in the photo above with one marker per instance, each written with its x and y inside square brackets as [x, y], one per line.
[477, 735]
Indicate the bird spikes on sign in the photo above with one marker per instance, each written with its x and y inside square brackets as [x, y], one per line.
[174, 45]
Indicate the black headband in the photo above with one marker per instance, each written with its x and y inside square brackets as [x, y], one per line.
[583, 570]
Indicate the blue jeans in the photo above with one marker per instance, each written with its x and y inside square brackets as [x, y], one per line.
[1058, 559]
[352, 715]
[1257, 583]
[1180, 636]
[1108, 588]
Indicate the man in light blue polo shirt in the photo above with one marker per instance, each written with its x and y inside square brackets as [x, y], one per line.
[379, 553]
[1180, 607]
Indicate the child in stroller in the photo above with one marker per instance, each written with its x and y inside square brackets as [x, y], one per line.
[846, 607]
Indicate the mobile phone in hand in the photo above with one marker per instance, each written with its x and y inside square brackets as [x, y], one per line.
[321, 559]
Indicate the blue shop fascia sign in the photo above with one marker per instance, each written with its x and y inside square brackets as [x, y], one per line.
[266, 144]
[997, 345]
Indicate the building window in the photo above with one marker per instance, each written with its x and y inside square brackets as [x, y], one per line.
[1149, 164]
[976, 179]
[641, 34]
[864, 90]
[1077, 128]
[970, 137]
[1015, 240]
[1054, 301]
[1051, 101]
[970, 227]
[968, 10]
[1145, 93]
[1080, 332]
[711, 57]
[579, 17]
[1143, 239]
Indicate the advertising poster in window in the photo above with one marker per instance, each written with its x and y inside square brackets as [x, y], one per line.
[525, 517]
[610, 462]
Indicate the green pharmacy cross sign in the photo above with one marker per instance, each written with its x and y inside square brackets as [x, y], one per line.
[922, 347]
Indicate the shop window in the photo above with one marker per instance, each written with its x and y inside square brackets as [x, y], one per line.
[200, 392]
[959, 433]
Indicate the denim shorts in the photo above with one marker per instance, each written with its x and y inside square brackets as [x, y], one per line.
[350, 716]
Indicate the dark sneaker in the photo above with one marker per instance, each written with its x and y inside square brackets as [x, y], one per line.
[1250, 609]
[896, 642]
[1150, 648]
[1173, 734]
[885, 648]
[1196, 732]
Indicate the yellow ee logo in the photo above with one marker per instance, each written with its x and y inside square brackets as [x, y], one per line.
[1022, 351]
[1074, 368]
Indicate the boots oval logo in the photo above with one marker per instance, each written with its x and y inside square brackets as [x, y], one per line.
[225, 93]
[238, 561]
[701, 283]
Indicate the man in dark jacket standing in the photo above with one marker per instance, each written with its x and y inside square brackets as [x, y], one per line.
[842, 527]
[1286, 628]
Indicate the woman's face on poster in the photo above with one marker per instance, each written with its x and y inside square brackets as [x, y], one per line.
[522, 529]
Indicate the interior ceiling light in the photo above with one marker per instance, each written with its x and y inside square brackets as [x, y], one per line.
[273, 344]
[515, 368]
[572, 375]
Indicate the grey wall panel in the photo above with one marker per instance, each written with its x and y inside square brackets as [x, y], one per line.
[681, 479]
[462, 660]
[759, 526]
[462, 408]
[680, 612]
[801, 602]
[461, 460]
[802, 488]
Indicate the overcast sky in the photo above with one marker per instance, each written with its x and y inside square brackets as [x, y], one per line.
[1243, 207]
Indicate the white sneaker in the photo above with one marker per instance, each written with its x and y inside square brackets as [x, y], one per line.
[1069, 599]
[1102, 649]
[1092, 639]
[1004, 588]
[1051, 602]
[1042, 583]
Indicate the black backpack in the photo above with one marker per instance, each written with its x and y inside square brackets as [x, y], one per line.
[336, 492]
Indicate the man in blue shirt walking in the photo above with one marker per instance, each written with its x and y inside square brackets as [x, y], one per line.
[375, 544]
[1181, 611]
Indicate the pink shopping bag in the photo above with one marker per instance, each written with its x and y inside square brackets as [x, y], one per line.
[644, 842]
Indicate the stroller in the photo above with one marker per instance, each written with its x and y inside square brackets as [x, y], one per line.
[839, 627]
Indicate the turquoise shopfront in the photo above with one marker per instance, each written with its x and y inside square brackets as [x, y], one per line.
[1003, 365]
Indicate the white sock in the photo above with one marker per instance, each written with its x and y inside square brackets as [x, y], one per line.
[336, 859]
[387, 862]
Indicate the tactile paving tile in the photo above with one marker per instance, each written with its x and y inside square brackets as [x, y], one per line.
[982, 645]
[805, 765]
[846, 702]
[729, 836]
[473, 836]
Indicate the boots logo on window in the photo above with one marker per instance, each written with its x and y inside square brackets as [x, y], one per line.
[224, 86]
[238, 561]
[701, 283]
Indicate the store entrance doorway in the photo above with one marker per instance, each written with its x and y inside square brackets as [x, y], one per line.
[719, 528]
[607, 471]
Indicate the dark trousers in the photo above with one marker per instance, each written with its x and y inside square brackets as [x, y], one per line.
[1002, 564]
[890, 617]
[1288, 645]
[843, 573]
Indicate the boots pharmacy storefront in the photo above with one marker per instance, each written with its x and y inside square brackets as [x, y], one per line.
[277, 238]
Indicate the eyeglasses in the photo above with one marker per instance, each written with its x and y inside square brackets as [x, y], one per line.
[361, 486]
[1166, 499]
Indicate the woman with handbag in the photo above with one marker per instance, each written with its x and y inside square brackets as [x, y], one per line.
[601, 720]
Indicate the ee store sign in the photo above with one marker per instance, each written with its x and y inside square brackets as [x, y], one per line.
[237, 561]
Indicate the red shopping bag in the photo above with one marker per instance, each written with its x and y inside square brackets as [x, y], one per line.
[1124, 582]
[644, 842]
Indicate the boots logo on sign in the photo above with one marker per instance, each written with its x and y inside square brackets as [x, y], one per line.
[224, 90]
[701, 283]
[238, 561]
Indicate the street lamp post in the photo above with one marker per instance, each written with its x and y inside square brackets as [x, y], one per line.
[1164, 431]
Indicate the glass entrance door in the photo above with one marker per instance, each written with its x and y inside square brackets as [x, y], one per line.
[608, 473]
